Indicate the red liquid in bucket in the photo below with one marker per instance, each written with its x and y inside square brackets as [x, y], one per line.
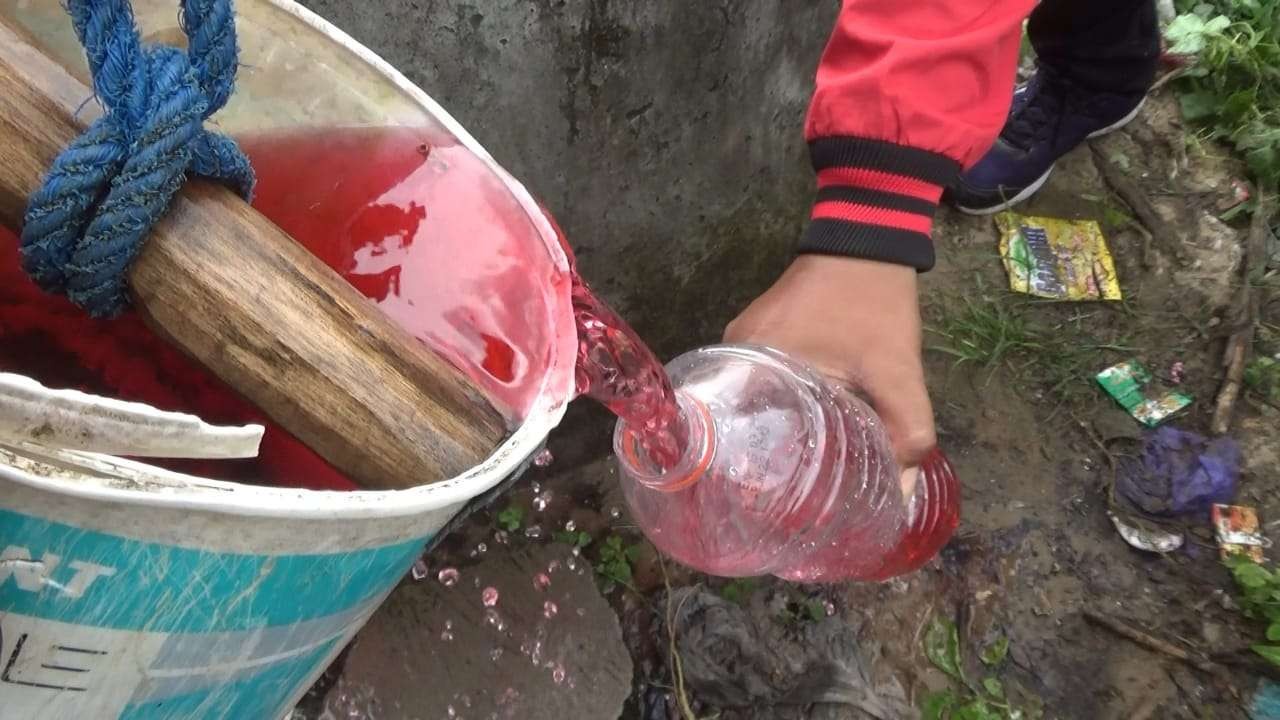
[417, 224]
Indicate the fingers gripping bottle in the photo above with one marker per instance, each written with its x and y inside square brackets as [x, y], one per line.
[783, 473]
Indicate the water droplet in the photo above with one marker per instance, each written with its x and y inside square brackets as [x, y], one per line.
[542, 500]
[537, 488]
[419, 571]
[489, 597]
[571, 564]
[492, 617]
[553, 566]
[446, 636]
[501, 537]
[549, 609]
[452, 713]
[582, 612]
[466, 701]
[557, 675]
[543, 458]
[482, 548]
[733, 471]
[495, 654]
[570, 526]
[536, 655]
[812, 443]
[533, 532]
[576, 552]
[615, 512]
[448, 577]
[830, 607]
[541, 582]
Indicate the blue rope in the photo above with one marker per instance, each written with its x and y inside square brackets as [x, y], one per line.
[104, 192]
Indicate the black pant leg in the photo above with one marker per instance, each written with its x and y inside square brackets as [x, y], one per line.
[1102, 45]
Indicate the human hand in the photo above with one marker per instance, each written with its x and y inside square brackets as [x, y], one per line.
[857, 321]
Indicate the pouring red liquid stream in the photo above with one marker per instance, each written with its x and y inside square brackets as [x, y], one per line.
[437, 256]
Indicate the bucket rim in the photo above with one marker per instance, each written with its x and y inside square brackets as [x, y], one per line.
[210, 495]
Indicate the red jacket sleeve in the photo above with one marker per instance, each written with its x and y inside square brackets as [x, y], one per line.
[908, 92]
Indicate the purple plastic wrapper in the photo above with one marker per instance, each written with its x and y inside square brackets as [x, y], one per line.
[1180, 472]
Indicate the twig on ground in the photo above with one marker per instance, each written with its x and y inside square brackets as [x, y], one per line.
[1168, 78]
[677, 668]
[1148, 256]
[1149, 641]
[1240, 344]
[1136, 198]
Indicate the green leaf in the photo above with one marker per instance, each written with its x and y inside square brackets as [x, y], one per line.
[993, 688]
[576, 539]
[977, 710]
[1270, 652]
[1239, 105]
[633, 552]
[937, 706]
[1199, 105]
[1251, 575]
[996, 653]
[1186, 34]
[942, 647]
[816, 609]
[737, 591]
[510, 518]
[1217, 25]
[1273, 632]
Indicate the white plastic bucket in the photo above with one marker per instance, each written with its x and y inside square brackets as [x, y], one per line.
[127, 591]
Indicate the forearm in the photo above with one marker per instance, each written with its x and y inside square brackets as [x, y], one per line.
[907, 94]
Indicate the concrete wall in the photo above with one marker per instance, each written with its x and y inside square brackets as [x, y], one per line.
[664, 134]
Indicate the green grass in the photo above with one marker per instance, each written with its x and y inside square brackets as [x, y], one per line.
[965, 698]
[1058, 356]
[1232, 92]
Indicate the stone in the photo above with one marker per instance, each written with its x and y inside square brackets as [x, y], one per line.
[1215, 251]
[431, 648]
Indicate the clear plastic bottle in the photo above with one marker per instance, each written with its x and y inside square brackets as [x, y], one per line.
[783, 473]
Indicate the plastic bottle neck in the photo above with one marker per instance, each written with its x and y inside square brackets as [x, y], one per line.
[698, 426]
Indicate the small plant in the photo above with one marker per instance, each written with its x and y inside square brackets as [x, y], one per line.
[1260, 600]
[738, 591]
[614, 566]
[986, 700]
[1233, 90]
[1262, 376]
[803, 610]
[994, 331]
[510, 518]
[577, 539]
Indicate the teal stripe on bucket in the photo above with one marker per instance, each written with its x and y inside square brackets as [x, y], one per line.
[258, 697]
[92, 578]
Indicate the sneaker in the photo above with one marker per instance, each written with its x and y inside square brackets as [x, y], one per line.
[1049, 118]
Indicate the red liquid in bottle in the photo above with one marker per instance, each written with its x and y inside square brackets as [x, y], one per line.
[415, 222]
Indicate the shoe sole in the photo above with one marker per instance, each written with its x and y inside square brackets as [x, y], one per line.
[1031, 189]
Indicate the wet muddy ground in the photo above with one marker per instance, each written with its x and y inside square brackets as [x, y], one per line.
[1033, 440]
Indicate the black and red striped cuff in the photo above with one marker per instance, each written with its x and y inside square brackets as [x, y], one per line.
[876, 200]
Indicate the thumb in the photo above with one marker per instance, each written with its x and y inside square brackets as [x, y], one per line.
[908, 420]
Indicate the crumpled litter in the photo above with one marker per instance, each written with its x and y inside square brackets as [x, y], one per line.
[1180, 472]
[1266, 702]
[734, 658]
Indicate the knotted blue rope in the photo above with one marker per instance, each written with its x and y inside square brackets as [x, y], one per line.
[104, 192]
